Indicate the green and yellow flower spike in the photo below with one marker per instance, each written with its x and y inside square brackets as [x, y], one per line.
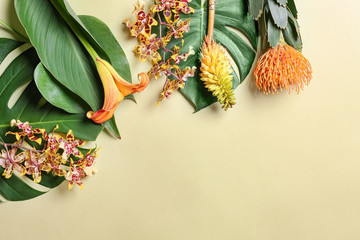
[215, 66]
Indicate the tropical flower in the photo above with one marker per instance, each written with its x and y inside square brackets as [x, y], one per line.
[75, 175]
[115, 89]
[27, 131]
[176, 6]
[282, 66]
[34, 164]
[10, 161]
[70, 146]
[216, 73]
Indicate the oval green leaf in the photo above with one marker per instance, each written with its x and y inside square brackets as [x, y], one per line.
[59, 50]
[56, 94]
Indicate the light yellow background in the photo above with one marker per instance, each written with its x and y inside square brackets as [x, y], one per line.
[283, 167]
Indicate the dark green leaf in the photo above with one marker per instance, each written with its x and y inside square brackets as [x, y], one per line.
[273, 33]
[103, 35]
[50, 180]
[256, 8]
[14, 189]
[278, 13]
[230, 16]
[282, 2]
[59, 50]
[111, 126]
[292, 34]
[64, 9]
[55, 93]
[292, 7]
[6, 46]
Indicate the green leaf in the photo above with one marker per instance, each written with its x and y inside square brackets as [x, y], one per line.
[7, 46]
[282, 2]
[278, 13]
[55, 93]
[100, 37]
[111, 126]
[273, 33]
[14, 189]
[66, 12]
[256, 8]
[103, 35]
[59, 50]
[231, 18]
[292, 33]
[292, 7]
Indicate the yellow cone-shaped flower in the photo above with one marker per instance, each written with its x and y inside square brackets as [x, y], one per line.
[115, 89]
[282, 67]
[216, 73]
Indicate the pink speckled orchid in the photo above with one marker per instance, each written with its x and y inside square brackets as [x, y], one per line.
[10, 161]
[69, 145]
[27, 131]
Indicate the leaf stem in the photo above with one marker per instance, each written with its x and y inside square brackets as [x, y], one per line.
[13, 30]
[211, 19]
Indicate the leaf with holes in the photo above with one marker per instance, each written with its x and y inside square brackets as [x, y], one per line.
[232, 24]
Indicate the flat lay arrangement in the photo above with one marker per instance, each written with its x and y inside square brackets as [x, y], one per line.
[74, 74]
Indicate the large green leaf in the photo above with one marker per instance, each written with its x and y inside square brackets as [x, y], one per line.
[59, 50]
[231, 19]
[56, 93]
[103, 35]
[14, 189]
[98, 34]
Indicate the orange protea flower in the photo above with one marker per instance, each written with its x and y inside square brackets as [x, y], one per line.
[282, 66]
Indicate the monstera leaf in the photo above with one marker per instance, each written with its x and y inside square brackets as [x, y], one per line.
[232, 24]
[30, 107]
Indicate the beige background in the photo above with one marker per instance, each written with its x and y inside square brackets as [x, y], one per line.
[281, 167]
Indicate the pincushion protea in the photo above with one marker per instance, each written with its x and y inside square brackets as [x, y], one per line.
[282, 66]
[216, 72]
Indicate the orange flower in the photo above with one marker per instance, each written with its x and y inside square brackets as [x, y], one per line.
[282, 66]
[115, 89]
